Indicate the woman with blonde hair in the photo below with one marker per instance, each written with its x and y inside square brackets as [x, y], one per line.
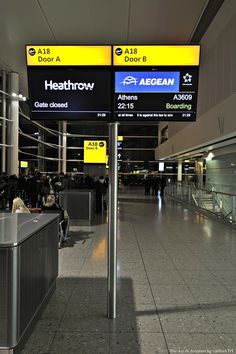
[51, 203]
[19, 206]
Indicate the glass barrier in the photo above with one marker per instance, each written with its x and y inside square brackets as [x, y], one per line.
[221, 204]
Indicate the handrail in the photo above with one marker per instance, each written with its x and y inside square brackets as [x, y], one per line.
[220, 186]
[220, 204]
[40, 157]
[203, 189]
[6, 119]
[224, 193]
[55, 146]
[229, 214]
[195, 200]
[39, 125]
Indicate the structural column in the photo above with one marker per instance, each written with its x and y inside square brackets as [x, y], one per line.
[64, 146]
[180, 171]
[41, 151]
[4, 126]
[199, 173]
[59, 168]
[13, 131]
[112, 222]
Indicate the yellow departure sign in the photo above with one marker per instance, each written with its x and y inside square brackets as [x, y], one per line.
[165, 55]
[24, 164]
[95, 151]
[46, 55]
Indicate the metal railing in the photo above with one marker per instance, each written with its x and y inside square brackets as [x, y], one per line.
[221, 204]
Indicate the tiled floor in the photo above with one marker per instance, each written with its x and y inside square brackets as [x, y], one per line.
[176, 286]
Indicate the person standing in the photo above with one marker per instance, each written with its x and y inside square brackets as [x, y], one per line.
[32, 189]
[162, 185]
[155, 185]
[100, 189]
[11, 189]
[147, 186]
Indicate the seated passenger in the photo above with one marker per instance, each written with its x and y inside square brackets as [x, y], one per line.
[18, 206]
[51, 204]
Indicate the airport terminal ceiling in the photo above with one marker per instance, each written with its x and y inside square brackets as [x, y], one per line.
[99, 22]
[93, 22]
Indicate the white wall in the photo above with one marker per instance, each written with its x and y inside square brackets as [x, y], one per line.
[217, 124]
[221, 173]
[216, 111]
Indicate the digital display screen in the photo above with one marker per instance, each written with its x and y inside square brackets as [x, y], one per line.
[113, 83]
[70, 93]
[160, 94]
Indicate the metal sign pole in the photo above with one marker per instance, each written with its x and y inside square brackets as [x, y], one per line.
[112, 223]
[4, 115]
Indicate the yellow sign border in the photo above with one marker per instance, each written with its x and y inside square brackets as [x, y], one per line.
[71, 55]
[131, 55]
[156, 55]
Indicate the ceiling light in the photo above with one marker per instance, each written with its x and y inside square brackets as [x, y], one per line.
[210, 156]
[20, 97]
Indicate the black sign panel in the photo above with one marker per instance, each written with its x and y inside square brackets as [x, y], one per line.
[70, 93]
[160, 94]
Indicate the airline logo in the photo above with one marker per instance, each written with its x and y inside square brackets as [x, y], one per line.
[147, 81]
[187, 79]
[129, 80]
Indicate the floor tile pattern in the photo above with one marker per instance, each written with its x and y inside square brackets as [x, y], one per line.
[176, 287]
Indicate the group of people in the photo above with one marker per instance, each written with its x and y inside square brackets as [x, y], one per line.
[156, 183]
[34, 187]
[18, 205]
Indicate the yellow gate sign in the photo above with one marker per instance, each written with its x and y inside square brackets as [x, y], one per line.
[164, 55]
[24, 164]
[56, 55]
[95, 151]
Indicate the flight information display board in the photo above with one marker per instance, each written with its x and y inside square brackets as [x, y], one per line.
[163, 93]
[69, 93]
[132, 83]
[155, 83]
[69, 82]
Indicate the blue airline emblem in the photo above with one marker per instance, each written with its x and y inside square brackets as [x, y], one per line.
[147, 81]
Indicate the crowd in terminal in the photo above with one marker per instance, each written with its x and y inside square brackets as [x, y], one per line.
[33, 188]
